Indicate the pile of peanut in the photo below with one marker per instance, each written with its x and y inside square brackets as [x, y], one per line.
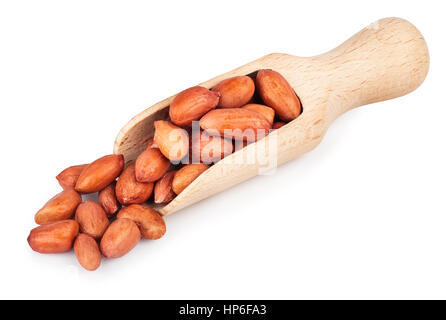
[229, 119]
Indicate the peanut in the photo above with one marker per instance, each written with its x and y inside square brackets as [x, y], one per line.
[151, 165]
[120, 237]
[277, 93]
[172, 141]
[92, 219]
[129, 191]
[267, 112]
[150, 223]
[239, 123]
[53, 238]
[208, 149]
[107, 199]
[235, 92]
[60, 207]
[191, 104]
[186, 175]
[100, 173]
[87, 252]
[163, 192]
[68, 177]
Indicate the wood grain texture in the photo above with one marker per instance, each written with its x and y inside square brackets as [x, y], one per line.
[387, 59]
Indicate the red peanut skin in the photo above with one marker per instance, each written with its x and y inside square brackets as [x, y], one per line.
[108, 201]
[68, 177]
[150, 222]
[100, 173]
[61, 207]
[208, 149]
[277, 93]
[163, 192]
[92, 219]
[235, 92]
[87, 252]
[191, 104]
[266, 111]
[186, 175]
[120, 237]
[53, 238]
[219, 120]
[172, 141]
[151, 165]
[130, 191]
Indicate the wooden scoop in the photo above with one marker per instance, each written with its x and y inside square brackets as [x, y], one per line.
[388, 59]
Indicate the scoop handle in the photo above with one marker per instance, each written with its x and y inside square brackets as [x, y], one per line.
[385, 60]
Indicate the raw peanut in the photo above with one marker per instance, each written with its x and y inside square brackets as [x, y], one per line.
[206, 148]
[172, 141]
[150, 223]
[100, 173]
[235, 92]
[60, 207]
[53, 238]
[186, 175]
[277, 93]
[267, 112]
[239, 123]
[92, 219]
[191, 104]
[129, 191]
[151, 165]
[68, 177]
[278, 125]
[163, 192]
[87, 252]
[120, 237]
[107, 199]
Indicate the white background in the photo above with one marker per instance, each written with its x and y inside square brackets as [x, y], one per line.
[362, 216]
